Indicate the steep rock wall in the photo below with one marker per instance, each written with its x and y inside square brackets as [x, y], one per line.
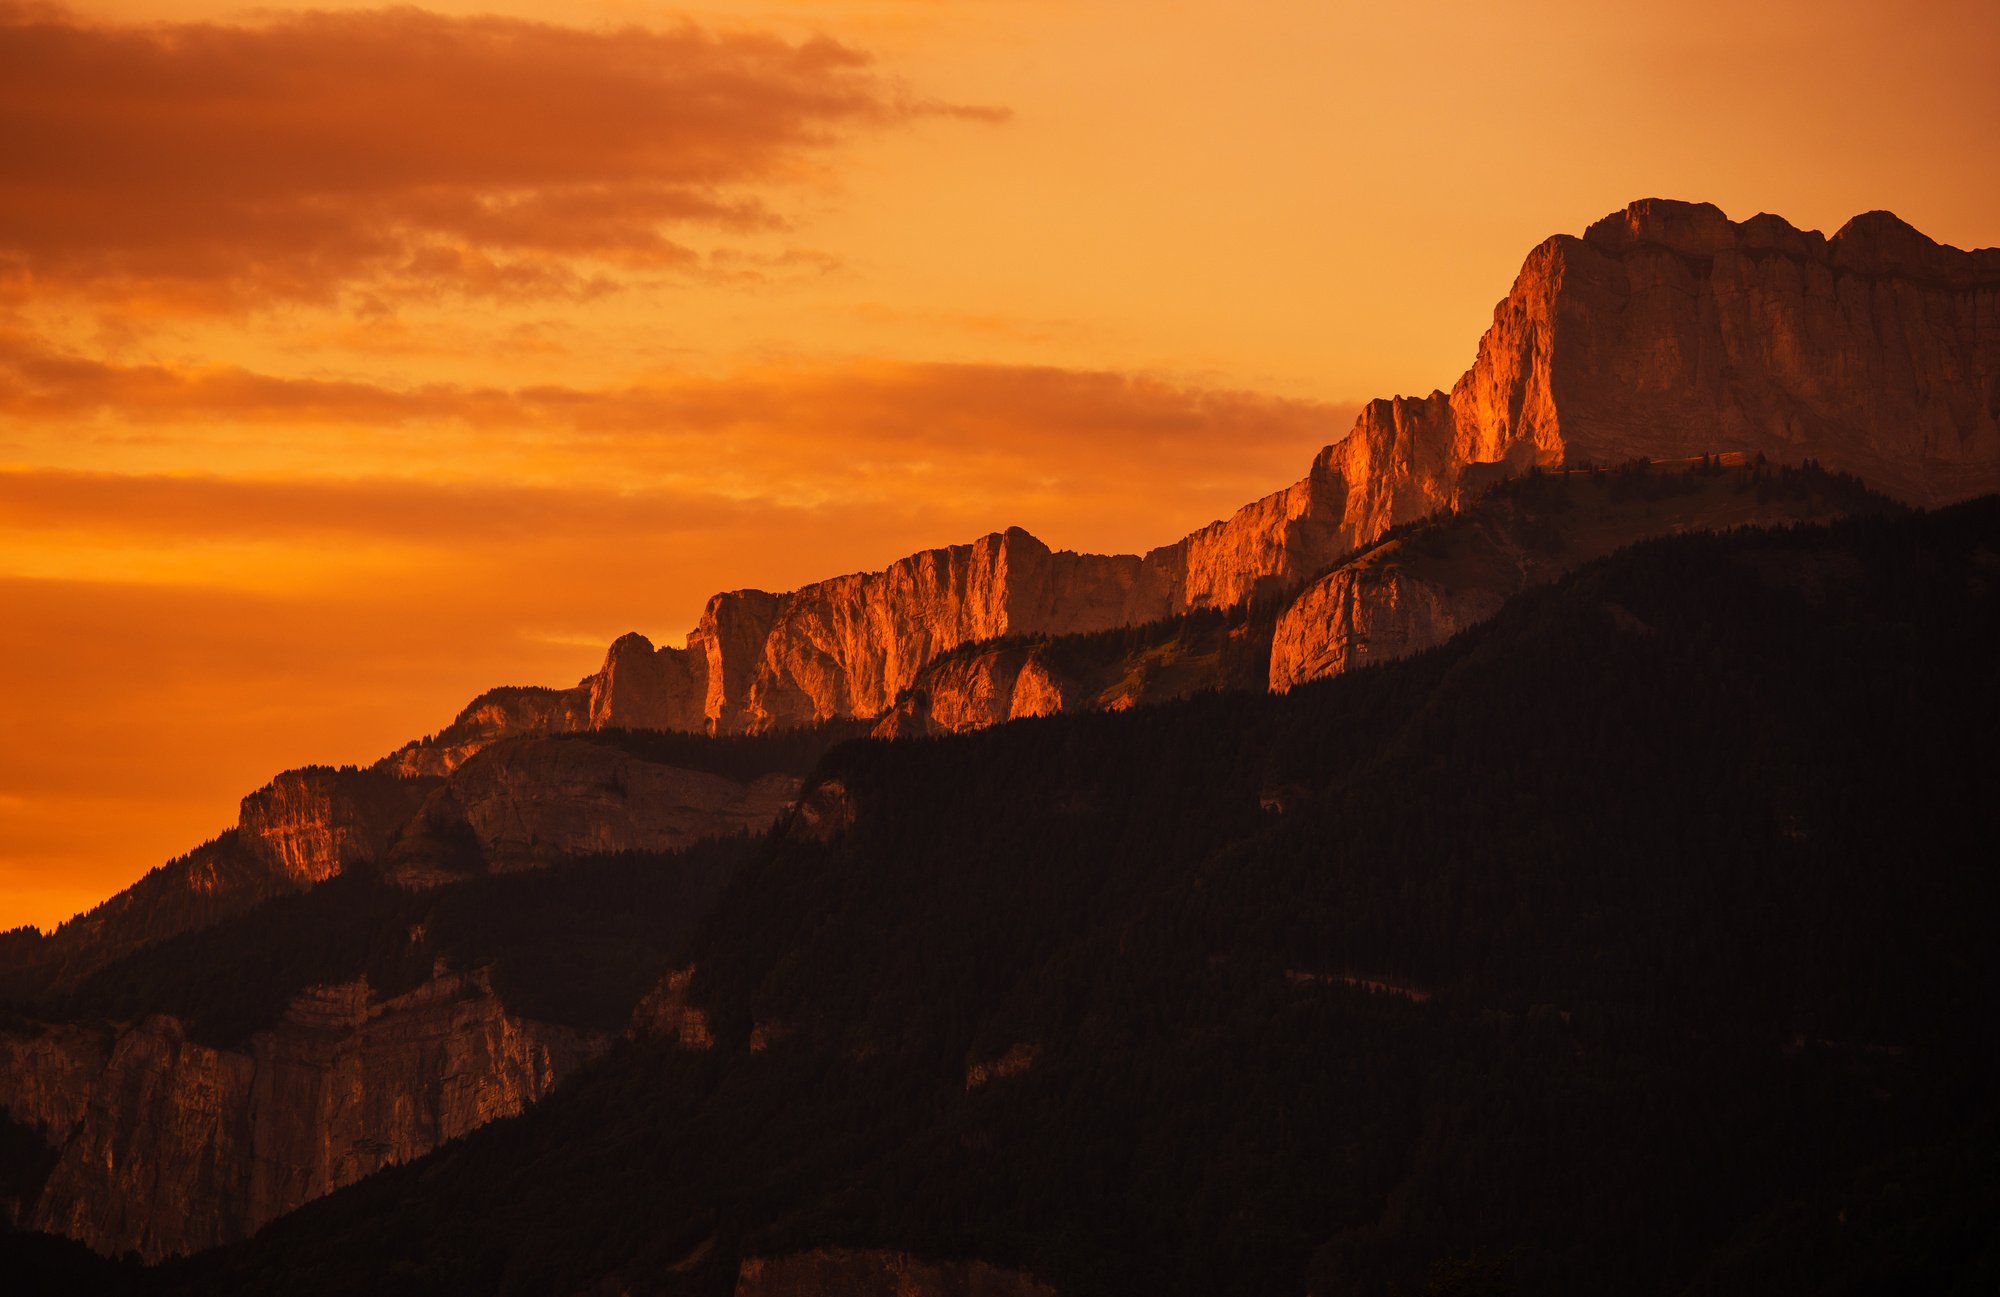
[165, 1145]
[507, 712]
[526, 802]
[302, 827]
[1414, 592]
[1666, 330]
[845, 647]
[310, 824]
[981, 688]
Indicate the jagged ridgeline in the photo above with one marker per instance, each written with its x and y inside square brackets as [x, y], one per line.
[1665, 332]
[1636, 940]
[1515, 889]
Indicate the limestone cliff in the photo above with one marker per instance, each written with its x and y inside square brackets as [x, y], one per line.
[985, 684]
[1414, 588]
[165, 1145]
[1665, 331]
[507, 712]
[845, 647]
[1668, 330]
[640, 688]
[303, 826]
[1419, 589]
[524, 803]
[310, 824]
[968, 691]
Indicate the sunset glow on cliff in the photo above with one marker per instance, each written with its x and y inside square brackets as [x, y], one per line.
[355, 360]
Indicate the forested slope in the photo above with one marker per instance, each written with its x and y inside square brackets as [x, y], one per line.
[1637, 940]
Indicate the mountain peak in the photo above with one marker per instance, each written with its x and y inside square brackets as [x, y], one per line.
[1698, 228]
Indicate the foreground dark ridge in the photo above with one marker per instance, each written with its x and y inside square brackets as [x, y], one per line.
[208, 1082]
[1626, 943]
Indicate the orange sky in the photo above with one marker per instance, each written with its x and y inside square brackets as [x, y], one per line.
[352, 361]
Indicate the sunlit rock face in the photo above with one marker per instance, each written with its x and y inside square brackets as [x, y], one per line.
[1417, 590]
[311, 824]
[832, 1272]
[302, 827]
[1265, 547]
[507, 712]
[847, 646]
[165, 1145]
[1876, 351]
[1666, 331]
[640, 687]
[984, 687]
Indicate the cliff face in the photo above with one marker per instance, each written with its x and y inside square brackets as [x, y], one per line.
[165, 1145]
[845, 647]
[302, 827]
[507, 712]
[1666, 331]
[1398, 596]
[1268, 545]
[643, 688]
[986, 684]
[971, 691]
[1417, 591]
[310, 824]
[1876, 351]
[524, 803]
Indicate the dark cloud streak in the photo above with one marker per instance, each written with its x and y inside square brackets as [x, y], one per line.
[203, 166]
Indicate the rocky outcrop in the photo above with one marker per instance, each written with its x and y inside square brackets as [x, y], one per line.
[1665, 330]
[643, 688]
[1668, 330]
[846, 647]
[165, 1145]
[838, 1272]
[986, 684]
[1417, 587]
[507, 712]
[525, 803]
[302, 827]
[310, 824]
[968, 691]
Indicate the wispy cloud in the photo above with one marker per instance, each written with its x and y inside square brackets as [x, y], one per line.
[216, 167]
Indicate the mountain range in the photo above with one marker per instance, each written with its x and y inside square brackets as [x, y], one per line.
[1401, 783]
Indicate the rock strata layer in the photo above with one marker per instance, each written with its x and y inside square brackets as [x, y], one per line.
[165, 1145]
[1402, 594]
[1417, 591]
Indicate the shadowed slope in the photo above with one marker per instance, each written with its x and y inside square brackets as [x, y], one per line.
[1606, 947]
